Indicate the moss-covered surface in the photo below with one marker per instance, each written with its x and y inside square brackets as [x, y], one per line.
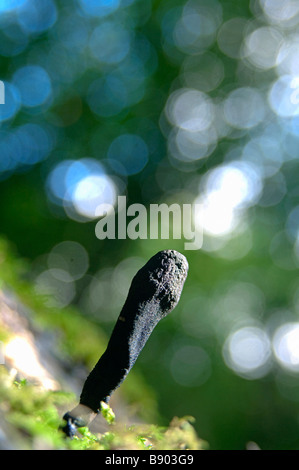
[32, 421]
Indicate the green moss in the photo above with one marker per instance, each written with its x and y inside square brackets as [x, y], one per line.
[33, 414]
[107, 413]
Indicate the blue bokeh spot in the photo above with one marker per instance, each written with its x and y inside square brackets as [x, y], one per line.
[12, 102]
[35, 144]
[131, 151]
[37, 16]
[10, 5]
[23, 146]
[99, 8]
[34, 84]
[110, 43]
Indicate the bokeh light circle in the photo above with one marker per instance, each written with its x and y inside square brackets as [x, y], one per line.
[244, 108]
[34, 85]
[284, 96]
[81, 186]
[131, 151]
[286, 346]
[12, 102]
[69, 259]
[35, 16]
[110, 43]
[247, 352]
[99, 8]
[189, 109]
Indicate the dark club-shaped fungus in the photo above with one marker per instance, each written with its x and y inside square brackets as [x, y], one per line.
[154, 292]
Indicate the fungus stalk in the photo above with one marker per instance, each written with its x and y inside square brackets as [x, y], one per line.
[154, 292]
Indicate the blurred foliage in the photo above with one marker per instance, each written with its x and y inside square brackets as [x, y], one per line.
[162, 101]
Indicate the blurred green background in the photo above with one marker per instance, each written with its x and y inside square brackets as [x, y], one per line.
[191, 101]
